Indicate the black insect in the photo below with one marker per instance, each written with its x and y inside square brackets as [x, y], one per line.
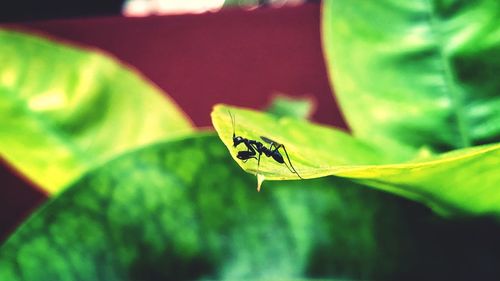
[255, 149]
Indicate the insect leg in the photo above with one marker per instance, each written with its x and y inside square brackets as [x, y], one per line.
[232, 122]
[258, 162]
[244, 155]
[244, 161]
[290, 162]
[273, 151]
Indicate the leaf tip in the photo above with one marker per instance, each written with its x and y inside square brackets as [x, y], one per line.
[260, 180]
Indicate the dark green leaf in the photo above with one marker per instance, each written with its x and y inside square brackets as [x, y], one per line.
[64, 110]
[183, 210]
[416, 73]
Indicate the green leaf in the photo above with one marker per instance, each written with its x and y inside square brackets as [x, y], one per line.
[313, 149]
[64, 110]
[416, 73]
[182, 210]
[285, 106]
[461, 182]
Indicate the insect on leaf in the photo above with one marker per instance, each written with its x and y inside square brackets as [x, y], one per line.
[461, 182]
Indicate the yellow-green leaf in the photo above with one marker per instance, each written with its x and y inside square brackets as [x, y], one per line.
[64, 110]
[460, 182]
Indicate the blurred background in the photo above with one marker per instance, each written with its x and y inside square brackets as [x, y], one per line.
[36, 10]
[270, 48]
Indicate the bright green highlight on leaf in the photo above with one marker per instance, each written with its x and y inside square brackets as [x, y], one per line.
[461, 182]
[300, 108]
[182, 210]
[64, 110]
[414, 73]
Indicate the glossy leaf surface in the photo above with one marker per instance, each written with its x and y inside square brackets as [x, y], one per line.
[459, 182]
[183, 210]
[416, 73]
[64, 110]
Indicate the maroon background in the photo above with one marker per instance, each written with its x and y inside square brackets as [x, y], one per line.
[234, 56]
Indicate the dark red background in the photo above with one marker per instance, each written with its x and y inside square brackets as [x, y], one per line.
[234, 56]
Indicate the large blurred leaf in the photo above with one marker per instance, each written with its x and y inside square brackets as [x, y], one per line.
[414, 73]
[183, 210]
[64, 110]
[459, 182]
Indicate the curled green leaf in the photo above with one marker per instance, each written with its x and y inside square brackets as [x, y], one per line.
[461, 182]
[310, 147]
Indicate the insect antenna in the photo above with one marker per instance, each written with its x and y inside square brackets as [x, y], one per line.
[233, 122]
